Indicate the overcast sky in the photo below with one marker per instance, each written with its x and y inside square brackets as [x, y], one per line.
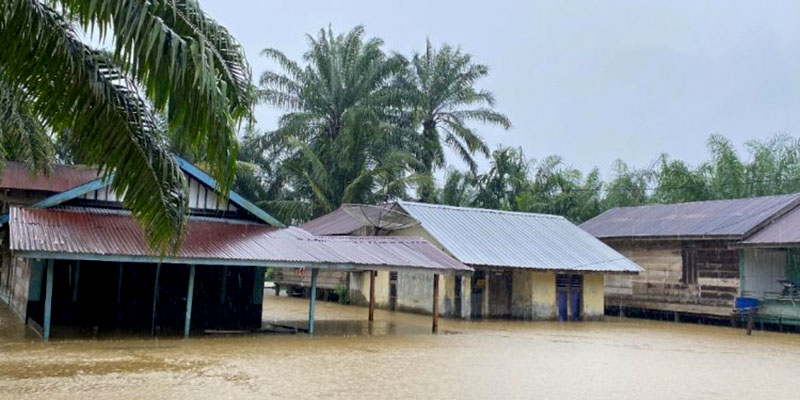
[592, 81]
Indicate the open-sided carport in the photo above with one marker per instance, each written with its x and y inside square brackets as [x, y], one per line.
[55, 241]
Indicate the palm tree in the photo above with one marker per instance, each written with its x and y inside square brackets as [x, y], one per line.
[173, 72]
[459, 189]
[341, 135]
[22, 135]
[508, 177]
[446, 100]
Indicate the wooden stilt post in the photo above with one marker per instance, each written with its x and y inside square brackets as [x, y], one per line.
[77, 277]
[224, 287]
[155, 300]
[48, 300]
[119, 295]
[189, 295]
[372, 295]
[435, 327]
[312, 300]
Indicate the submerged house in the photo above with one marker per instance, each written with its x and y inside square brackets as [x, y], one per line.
[770, 270]
[73, 258]
[699, 257]
[529, 266]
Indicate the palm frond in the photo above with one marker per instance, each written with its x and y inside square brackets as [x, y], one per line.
[181, 56]
[22, 136]
[71, 86]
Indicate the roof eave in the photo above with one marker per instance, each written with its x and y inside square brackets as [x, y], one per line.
[216, 261]
[672, 237]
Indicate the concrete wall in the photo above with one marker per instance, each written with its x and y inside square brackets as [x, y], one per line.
[533, 293]
[522, 294]
[359, 288]
[593, 296]
[415, 288]
[544, 295]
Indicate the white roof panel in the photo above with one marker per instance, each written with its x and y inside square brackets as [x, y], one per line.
[478, 236]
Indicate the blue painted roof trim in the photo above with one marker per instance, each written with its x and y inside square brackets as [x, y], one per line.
[75, 192]
[237, 199]
[187, 167]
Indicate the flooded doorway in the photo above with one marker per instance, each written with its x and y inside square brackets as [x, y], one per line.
[476, 293]
[393, 290]
[569, 295]
[500, 294]
[457, 296]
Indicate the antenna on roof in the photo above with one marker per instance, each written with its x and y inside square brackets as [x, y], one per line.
[383, 217]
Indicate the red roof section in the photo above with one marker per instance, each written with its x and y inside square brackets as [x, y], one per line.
[101, 232]
[17, 175]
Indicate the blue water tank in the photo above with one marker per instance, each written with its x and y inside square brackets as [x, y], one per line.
[746, 302]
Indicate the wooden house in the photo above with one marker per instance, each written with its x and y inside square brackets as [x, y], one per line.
[691, 253]
[74, 258]
[770, 270]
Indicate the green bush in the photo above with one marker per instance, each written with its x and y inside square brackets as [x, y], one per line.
[343, 294]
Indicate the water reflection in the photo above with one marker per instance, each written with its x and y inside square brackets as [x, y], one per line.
[399, 358]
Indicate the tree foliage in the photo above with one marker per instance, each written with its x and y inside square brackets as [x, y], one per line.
[174, 75]
[364, 125]
[344, 136]
[445, 102]
[550, 186]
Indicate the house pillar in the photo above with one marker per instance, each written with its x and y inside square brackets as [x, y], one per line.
[435, 327]
[77, 277]
[48, 300]
[189, 295]
[312, 300]
[372, 295]
[155, 300]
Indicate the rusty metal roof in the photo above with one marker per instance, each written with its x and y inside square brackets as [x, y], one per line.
[512, 239]
[17, 175]
[104, 234]
[706, 219]
[784, 231]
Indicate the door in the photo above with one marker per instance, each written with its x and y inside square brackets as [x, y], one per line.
[457, 297]
[500, 294]
[569, 296]
[561, 304]
[393, 290]
[476, 294]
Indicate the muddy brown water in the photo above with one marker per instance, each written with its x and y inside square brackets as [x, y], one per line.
[399, 358]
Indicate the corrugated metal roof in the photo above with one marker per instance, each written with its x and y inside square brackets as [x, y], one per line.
[17, 175]
[706, 219]
[338, 222]
[512, 239]
[783, 231]
[351, 217]
[103, 232]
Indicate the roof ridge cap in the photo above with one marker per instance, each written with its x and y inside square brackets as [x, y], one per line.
[797, 195]
[480, 210]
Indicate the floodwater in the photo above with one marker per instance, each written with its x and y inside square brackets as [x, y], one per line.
[399, 358]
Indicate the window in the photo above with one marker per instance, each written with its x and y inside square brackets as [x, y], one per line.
[689, 271]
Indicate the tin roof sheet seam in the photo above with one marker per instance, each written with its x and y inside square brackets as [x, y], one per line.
[719, 218]
[515, 239]
[103, 232]
[17, 175]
